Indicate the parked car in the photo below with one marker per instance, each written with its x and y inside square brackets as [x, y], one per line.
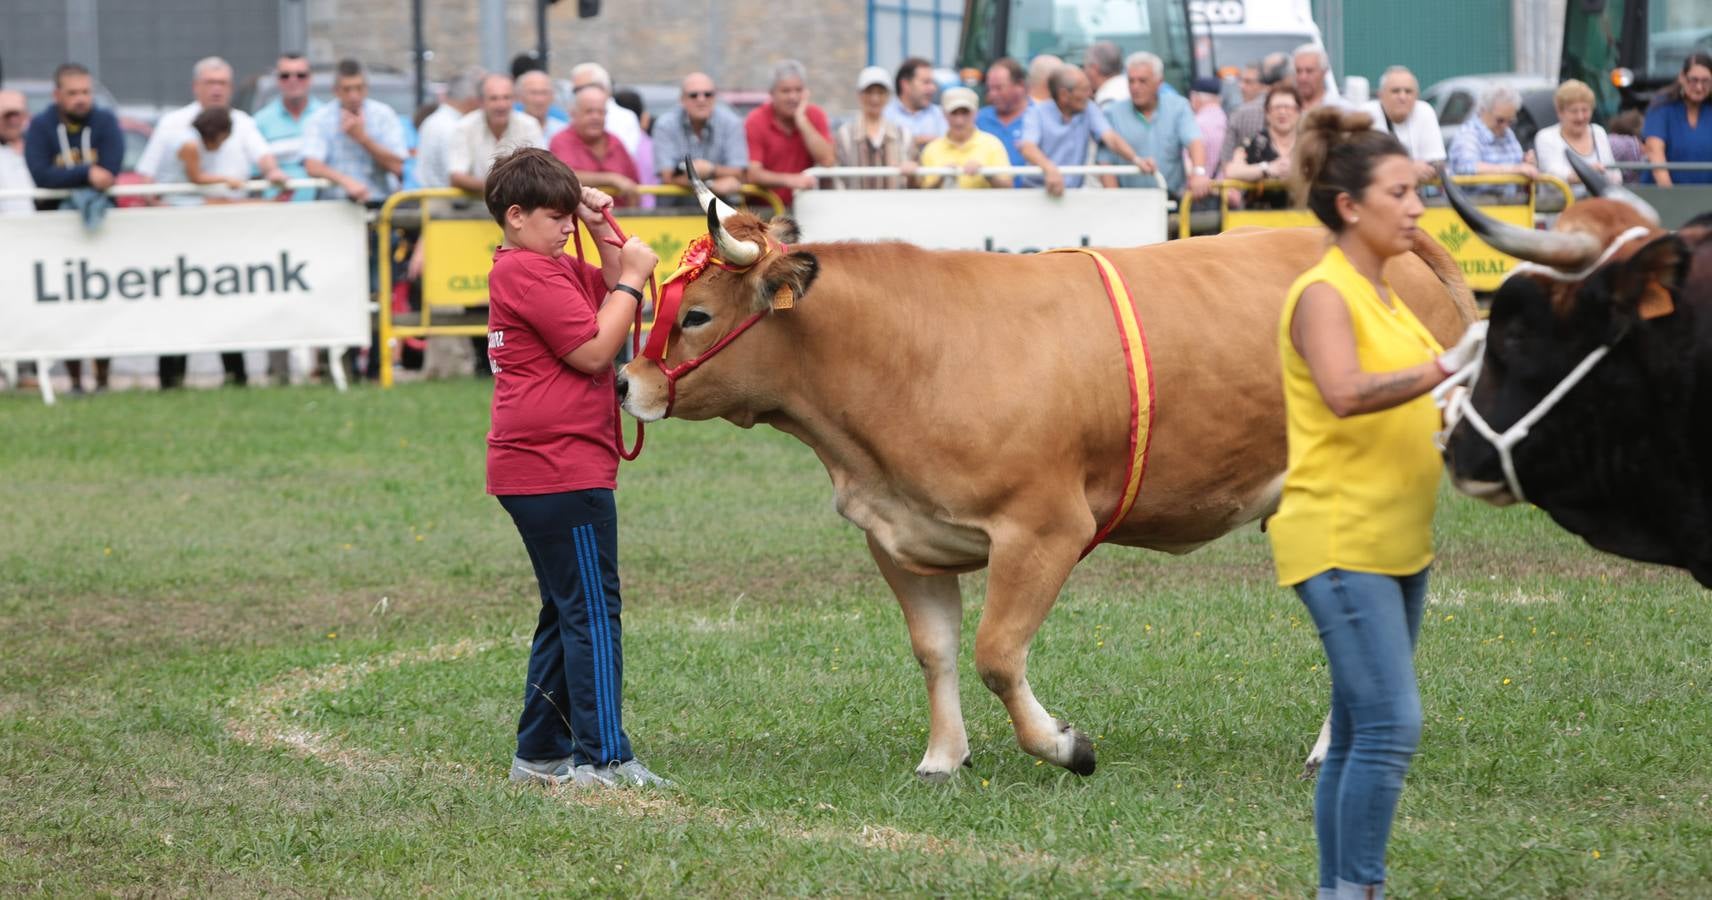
[1455, 99]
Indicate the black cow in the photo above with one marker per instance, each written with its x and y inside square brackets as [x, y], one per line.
[1624, 459]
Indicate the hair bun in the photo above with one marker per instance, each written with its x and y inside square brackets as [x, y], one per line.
[1334, 123]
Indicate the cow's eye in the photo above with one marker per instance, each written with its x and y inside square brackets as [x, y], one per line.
[695, 318]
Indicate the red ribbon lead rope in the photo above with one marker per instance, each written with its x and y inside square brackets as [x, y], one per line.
[635, 336]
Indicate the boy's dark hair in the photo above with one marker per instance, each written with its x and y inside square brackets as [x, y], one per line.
[69, 68]
[531, 178]
[211, 123]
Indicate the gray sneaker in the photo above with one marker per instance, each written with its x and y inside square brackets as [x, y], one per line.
[549, 772]
[635, 774]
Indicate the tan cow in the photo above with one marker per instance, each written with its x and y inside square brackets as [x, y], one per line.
[973, 412]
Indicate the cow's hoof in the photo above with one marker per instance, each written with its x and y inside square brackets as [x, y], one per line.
[930, 776]
[1081, 750]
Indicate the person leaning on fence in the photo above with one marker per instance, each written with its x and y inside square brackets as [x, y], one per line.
[1058, 133]
[1007, 105]
[1160, 127]
[595, 154]
[965, 147]
[1353, 531]
[1268, 156]
[705, 131]
[1400, 112]
[74, 144]
[209, 157]
[787, 134]
[554, 327]
[1575, 133]
[281, 120]
[357, 142]
[1677, 128]
[1486, 144]
[493, 129]
[873, 137]
[621, 122]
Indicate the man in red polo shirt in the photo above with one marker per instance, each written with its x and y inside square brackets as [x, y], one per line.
[788, 134]
[595, 154]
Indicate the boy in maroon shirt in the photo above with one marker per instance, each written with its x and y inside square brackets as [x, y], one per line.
[554, 327]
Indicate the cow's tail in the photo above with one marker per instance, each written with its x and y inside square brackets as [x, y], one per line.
[1449, 274]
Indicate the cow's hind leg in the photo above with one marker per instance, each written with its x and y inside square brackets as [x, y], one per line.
[1026, 573]
[933, 610]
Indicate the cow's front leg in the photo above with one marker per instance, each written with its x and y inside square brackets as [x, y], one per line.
[933, 610]
[1026, 573]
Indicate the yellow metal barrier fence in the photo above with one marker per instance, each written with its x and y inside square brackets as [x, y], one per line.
[1483, 267]
[458, 253]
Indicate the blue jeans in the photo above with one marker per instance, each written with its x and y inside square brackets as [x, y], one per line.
[1368, 624]
[572, 697]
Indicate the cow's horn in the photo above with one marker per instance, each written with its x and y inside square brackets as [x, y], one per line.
[732, 250]
[1597, 186]
[1558, 249]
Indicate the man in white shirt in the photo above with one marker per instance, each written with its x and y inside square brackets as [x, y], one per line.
[1411, 120]
[494, 130]
[211, 85]
[621, 123]
[434, 138]
[1104, 66]
[14, 172]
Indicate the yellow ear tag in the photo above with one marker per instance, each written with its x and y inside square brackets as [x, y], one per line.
[1655, 302]
[785, 298]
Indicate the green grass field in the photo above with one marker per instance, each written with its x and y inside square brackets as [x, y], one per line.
[272, 642]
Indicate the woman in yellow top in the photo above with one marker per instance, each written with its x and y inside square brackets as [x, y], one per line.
[1353, 533]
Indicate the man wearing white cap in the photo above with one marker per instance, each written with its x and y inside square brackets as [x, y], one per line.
[964, 146]
[872, 138]
[913, 108]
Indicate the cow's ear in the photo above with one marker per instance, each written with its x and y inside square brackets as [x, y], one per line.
[1647, 282]
[784, 279]
[784, 229]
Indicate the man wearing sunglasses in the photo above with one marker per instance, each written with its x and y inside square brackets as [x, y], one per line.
[707, 132]
[281, 120]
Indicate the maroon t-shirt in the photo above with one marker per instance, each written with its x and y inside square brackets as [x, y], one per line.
[778, 150]
[571, 151]
[552, 427]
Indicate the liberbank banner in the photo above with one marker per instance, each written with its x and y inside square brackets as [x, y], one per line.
[183, 280]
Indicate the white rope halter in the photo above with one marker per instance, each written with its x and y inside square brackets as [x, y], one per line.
[1458, 405]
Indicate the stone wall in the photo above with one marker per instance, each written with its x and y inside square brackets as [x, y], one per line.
[639, 41]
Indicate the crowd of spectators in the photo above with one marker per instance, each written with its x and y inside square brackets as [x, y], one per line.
[1111, 110]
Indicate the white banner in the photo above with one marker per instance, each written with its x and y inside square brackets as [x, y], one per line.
[184, 280]
[1004, 221]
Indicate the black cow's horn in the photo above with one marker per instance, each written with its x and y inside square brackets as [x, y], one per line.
[1597, 186]
[1558, 249]
[732, 250]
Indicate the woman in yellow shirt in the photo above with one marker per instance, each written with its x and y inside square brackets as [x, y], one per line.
[1353, 533]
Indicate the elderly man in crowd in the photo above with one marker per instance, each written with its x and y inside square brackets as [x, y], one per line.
[211, 86]
[787, 134]
[707, 132]
[620, 122]
[1162, 130]
[14, 172]
[483, 134]
[281, 120]
[1248, 120]
[434, 138]
[1486, 144]
[1249, 83]
[913, 109]
[1008, 103]
[1103, 63]
[1058, 133]
[1312, 66]
[535, 97]
[595, 154]
[1040, 71]
[1411, 120]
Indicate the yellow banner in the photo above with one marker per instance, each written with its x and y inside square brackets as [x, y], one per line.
[459, 252]
[1483, 267]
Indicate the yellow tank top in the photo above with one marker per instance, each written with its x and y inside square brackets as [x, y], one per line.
[1359, 492]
